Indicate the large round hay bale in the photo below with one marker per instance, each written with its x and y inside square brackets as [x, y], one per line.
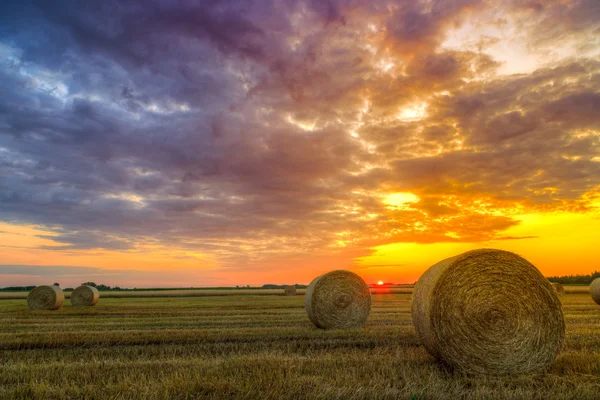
[290, 290]
[558, 288]
[595, 290]
[337, 300]
[45, 298]
[488, 312]
[85, 296]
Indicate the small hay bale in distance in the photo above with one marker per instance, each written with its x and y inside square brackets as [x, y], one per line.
[45, 297]
[85, 296]
[558, 288]
[595, 290]
[338, 300]
[488, 312]
[290, 290]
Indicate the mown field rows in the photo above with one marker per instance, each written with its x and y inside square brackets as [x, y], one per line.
[257, 346]
[232, 292]
[197, 293]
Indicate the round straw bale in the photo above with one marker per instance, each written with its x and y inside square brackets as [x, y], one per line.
[290, 290]
[338, 299]
[595, 290]
[45, 298]
[85, 296]
[558, 288]
[488, 312]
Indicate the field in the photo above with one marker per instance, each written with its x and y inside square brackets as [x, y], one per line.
[259, 346]
[205, 292]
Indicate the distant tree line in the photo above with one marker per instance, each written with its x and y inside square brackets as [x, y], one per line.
[17, 289]
[30, 288]
[101, 287]
[272, 286]
[575, 279]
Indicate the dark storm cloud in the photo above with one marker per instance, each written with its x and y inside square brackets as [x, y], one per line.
[247, 129]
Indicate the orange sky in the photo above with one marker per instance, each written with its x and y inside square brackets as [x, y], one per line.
[272, 143]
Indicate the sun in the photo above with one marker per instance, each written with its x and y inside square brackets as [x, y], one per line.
[380, 283]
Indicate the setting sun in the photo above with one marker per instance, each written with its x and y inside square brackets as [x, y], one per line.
[380, 283]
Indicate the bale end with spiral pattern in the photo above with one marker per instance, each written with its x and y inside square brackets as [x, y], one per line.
[85, 296]
[488, 312]
[45, 298]
[338, 300]
[290, 290]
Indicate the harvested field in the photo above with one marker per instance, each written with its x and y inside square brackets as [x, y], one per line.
[206, 292]
[254, 346]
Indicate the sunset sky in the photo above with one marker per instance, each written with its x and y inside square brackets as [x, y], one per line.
[185, 143]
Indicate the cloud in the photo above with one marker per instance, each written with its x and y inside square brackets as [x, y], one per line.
[254, 131]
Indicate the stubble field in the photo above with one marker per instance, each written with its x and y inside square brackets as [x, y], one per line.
[258, 346]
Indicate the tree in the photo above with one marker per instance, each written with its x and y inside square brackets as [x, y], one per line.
[89, 284]
[575, 279]
[56, 284]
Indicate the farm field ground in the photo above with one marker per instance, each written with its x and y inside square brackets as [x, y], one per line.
[259, 347]
[111, 294]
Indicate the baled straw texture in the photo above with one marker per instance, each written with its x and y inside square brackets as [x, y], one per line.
[45, 298]
[290, 290]
[85, 296]
[488, 312]
[595, 290]
[558, 288]
[337, 300]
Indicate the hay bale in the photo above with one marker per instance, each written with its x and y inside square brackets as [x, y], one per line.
[558, 288]
[338, 299]
[85, 296]
[290, 290]
[488, 312]
[595, 290]
[45, 298]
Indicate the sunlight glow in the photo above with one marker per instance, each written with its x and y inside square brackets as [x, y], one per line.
[415, 112]
[309, 127]
[401, 199]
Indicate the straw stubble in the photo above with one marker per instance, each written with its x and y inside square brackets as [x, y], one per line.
[488, 312]
[85, 296]
[338, 300]
[595, 290]
[290, 290]
[45, 298]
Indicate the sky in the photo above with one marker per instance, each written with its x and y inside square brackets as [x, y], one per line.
[181, 143]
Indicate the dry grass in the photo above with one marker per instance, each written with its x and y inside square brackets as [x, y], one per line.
[215, 292]
[558, 288]
[290, 291]
[85, 296]
[337, 300]
[259, 347]
[595, 290]
[45, 298]
[488, 312]
[121, 294]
